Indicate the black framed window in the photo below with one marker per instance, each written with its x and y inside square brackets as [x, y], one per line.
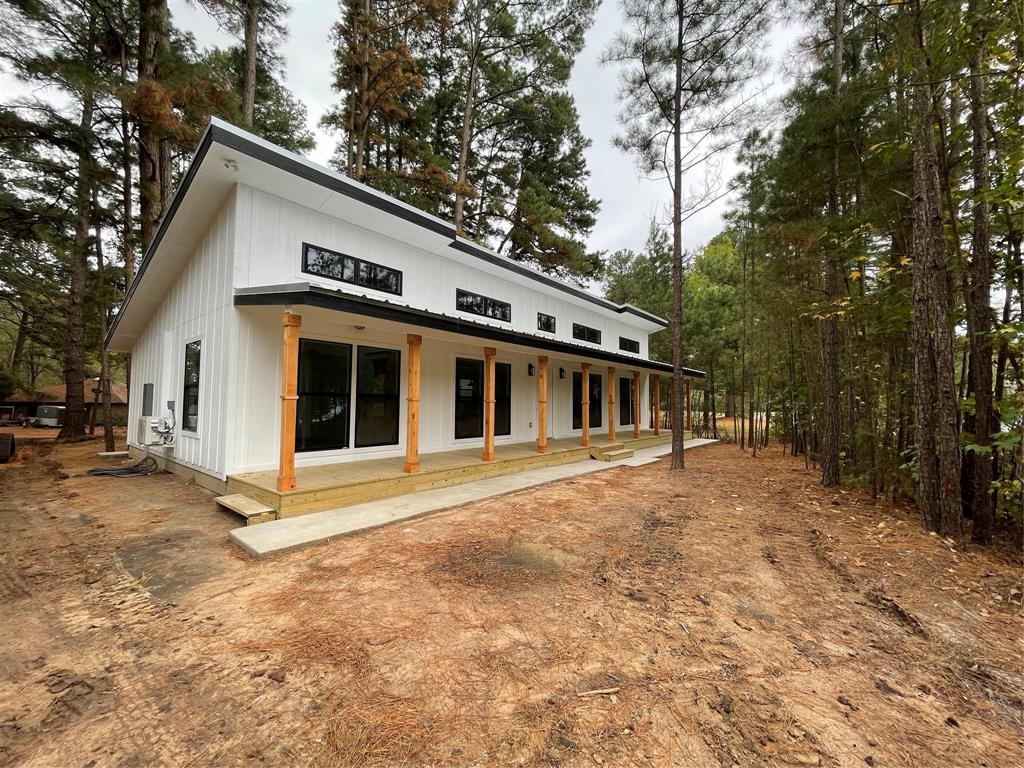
[586, 333]
[625, 400]
[475, 304]
[377, 389]
[502, 398]
[147, 399]
[324, 262]
[629, 345]
[190, 395]
[596, 392]
[469, 398]
[545, 323]
[325, 392]
[596, 395]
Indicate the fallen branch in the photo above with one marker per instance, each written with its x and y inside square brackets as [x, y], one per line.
[877, 597]
[600, 692]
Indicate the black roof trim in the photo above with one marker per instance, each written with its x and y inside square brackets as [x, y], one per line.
[385, 310]
[291, 165]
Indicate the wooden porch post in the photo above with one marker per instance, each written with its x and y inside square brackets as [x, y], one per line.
[289, 396]
[542, 404]
[489, 353]
[585, 397]
[656, 389]
[636, 405]
[412, 413]
[689, 414]
[611, 405]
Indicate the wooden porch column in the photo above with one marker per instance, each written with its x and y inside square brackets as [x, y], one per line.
[289, 396]
[656, 389]
[689, 414]
[489, 353]
[542, 404]
[585, 397]
[636, 405]
[412, 413]
[611, 405]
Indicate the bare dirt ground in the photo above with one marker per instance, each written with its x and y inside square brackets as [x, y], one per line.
[733, 615]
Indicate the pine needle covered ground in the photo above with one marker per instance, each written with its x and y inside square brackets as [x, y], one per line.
[736, 613]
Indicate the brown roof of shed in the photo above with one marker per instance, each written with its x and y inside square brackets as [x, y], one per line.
[56, 393]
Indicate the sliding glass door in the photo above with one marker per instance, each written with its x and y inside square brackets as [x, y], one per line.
[325, 388]
[329, 390]
[595, 392]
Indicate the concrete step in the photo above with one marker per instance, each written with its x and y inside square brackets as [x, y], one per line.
[253, 511]
[623, 453]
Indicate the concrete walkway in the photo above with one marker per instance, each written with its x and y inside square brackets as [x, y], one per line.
[293, 533]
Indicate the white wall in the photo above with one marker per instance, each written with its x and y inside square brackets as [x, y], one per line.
[257, 427]
[198, 305]
[271, 232]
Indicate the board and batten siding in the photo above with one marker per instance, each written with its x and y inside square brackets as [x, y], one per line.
[271, 232]
[198, 305]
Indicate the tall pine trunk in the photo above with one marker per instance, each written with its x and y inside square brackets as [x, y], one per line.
[252, 27]
[829, 325]
[152, 34]
[678, 439]
[979, 279]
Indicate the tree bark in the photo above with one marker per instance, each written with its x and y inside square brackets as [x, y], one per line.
[252, 28]
[74, 353]
[979, 285]
[829, 325]
[465, 135]
[678, 462]
[152, 34]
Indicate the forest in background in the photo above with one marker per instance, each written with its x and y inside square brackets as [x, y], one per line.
[864, 304]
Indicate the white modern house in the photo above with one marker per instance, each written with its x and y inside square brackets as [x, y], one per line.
[308, 341]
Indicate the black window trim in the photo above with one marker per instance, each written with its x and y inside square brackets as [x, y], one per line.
[582, 332]
[627, 344]
[198, 343]
[459, 292]
[358, 263]
[483, 395]
[552, 318]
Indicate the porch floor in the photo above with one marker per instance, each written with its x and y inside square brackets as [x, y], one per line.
[328, 486]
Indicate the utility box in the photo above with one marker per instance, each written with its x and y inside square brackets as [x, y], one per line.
[145, 434]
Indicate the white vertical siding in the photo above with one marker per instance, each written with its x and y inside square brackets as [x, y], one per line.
[198, 305]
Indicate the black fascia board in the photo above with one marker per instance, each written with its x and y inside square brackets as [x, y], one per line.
[385, 310]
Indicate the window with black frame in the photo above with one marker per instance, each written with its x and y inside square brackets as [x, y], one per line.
[625, 401]
[586, 333]
[325, 392]
[190, 395]
[629, 345]
[545, 323]
[333, 265]
[469, 398]
[595, 392]
[377, 389]
[475, 304]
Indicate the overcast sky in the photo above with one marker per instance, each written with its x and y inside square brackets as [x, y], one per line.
[628, 202]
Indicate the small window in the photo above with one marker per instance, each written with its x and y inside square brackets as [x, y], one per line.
[545, 323]
[348, 269]
[476, 304]
[190, 396]
[586, 333]
[629, 345]
[147, 399]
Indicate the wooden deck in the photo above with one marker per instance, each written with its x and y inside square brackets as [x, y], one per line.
[329, 486]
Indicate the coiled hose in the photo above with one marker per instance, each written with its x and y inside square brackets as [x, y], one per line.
[145, 467]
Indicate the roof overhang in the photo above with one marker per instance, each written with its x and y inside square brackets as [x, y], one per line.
[303, 294]
[227, 156]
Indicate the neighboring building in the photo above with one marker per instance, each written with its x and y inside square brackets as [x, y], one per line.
[296, 318]
[21, 405]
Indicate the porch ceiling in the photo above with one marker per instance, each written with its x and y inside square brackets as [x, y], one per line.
[399, 317]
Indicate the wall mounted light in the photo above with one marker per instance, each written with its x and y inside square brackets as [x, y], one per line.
[561, 373]
[529, 369]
